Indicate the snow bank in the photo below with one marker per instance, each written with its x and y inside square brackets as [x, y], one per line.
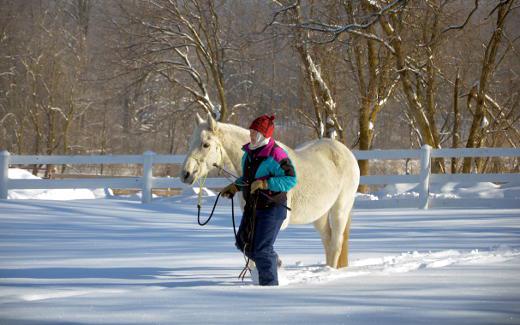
[451, 190]
[194, 192]
[53, 194]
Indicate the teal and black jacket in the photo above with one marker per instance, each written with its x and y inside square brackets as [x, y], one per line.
[270, 163]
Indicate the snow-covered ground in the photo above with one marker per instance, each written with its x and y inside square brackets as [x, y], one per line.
[117, 261]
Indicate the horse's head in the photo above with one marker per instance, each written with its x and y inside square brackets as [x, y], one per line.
[205, 151]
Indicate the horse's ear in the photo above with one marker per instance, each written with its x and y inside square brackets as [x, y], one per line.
[212, 123]
[199, 119]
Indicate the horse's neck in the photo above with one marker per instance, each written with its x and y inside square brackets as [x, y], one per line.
[232, 140]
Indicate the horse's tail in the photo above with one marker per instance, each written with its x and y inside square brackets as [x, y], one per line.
[343, 256]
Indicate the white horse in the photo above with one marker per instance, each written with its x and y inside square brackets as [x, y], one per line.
[327, 172]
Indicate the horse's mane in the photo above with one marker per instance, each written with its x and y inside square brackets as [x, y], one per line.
[227, 127]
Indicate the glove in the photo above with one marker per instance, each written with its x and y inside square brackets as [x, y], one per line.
[229, 191]
[259, 184]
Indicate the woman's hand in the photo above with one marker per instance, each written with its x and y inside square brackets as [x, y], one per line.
[259, 184]
[229, 191]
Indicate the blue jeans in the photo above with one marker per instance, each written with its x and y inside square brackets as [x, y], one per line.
[267, 226]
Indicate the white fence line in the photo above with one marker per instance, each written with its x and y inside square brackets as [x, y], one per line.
[146, 182]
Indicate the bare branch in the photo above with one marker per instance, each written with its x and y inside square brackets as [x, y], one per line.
[337, 30]
[280, 11]
[500, 4]
[461, 26]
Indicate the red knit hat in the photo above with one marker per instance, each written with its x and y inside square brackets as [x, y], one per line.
[263, 124]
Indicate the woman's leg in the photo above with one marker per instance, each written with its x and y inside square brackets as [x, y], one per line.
[268, 223]
[244, 234]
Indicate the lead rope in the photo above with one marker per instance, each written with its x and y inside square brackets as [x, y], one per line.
[246, 268]
[201, 186]
[199, 206]
[251, 240]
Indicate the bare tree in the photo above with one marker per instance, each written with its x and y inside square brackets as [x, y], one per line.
[371, 64]
[326, 122]
[477, 131]
[182, 42]
[44, 80]
[419, 68]
[381, 72]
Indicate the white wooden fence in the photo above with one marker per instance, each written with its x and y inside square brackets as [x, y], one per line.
[425, 178]
[147, 181]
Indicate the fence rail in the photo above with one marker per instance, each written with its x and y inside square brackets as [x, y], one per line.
[147, 181]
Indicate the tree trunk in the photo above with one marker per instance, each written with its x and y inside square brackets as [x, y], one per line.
[476, 136]
[416, 109]
[456, 123]
[323, 101]
[368, 101]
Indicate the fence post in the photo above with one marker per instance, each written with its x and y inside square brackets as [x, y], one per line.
[147, 176]
[424, 176]
[4, 173]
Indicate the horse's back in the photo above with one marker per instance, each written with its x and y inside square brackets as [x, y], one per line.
[325, 169]
[328, 152]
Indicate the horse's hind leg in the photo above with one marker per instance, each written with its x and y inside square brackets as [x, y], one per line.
[323, 227]
[340, 229]
[343, 257]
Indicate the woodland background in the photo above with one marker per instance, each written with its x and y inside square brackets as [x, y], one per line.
[123, 77]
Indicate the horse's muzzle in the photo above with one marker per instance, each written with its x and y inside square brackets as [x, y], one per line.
[187, 177]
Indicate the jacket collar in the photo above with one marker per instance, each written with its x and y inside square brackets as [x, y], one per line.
[264, 151]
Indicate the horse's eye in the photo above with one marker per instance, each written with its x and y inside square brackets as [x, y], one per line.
[206, 145]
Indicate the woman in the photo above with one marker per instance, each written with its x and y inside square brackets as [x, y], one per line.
[267, 175]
